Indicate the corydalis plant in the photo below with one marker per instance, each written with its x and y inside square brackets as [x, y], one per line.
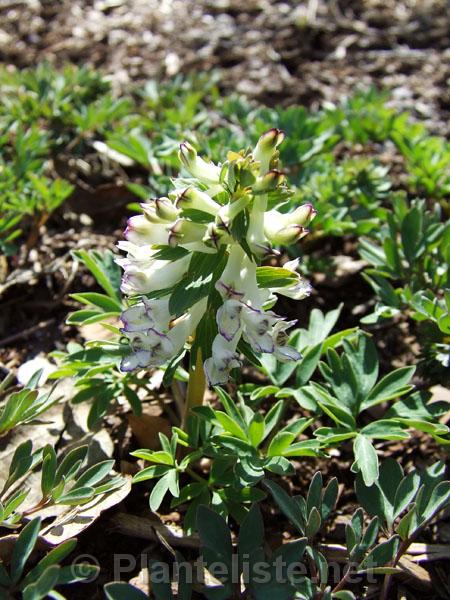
[193, 272]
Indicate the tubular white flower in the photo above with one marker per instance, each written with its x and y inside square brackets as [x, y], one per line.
[266, 147]
[255, 234]
[217, 234]
[224, 358]
[300, 289]
[145, 315]
[258, 329]
[190, 197]
[185, 232]
[184, 327]
[229, 211]
[154, 346]
[255, 296]
[150, 349]
[229, 318]
[165, 209]
[206, 172]
[284, 352]
[140, 278]
[269, 181]
[154, 335]
[229, 284]
[288, 228]
[142, 232]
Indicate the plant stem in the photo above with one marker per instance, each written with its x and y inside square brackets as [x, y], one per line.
[343, 581]
[196, 386]
[387, 578]
[196, 476]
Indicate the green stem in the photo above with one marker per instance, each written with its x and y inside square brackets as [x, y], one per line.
[196, 386]
[196, 476]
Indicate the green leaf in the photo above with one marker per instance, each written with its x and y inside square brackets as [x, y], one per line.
[251, 533]
[366, 458]
[269, 277]
[304, 448]
[54, 557]
[24, 547]
[308, 364]
[78, 496]
[440, 498]
[230, 407]
[314, 496]
[214, 534]
[405, 493]
[370, 535]
[279, 443]
[393, 385]
[229, 425]
[44, 584]
[48, 474]
[313, 523]
[256, 429]
[410, 233]
[123, 591]
[287, 504]
[76, 573]
[329, 498]
[173, 482]
[381, 555]
[73, 459]
[160, 456]
[385, 429]
[159, 491]
[151, 473]
[106, 303]
[408, 524]
[379, 498]
[103, 268]
[273, 417]
[204, 270]
[95, 474]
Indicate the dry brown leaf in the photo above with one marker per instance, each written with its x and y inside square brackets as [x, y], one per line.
[413, 571]
[75, 519]
[146, 429]
[96, 331]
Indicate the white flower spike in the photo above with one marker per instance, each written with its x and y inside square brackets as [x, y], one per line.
[223, 212]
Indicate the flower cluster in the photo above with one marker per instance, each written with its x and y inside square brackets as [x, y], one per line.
[223, 211]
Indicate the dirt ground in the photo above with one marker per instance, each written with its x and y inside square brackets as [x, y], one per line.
[276, 51]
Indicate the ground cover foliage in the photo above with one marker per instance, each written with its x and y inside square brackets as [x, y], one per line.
[335, 458]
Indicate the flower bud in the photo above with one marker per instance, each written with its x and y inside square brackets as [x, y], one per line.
[303, 215]
[141, 231]
[193, 198]
[215, 235]
[287, 228]
[270, 181]
[157, 275]
[149, 210]
[206, 172]
[266, 146]
[289, 235]
[185, 232]
[165, 209]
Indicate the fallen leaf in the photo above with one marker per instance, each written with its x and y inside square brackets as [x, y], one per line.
[146, 429]
[75, 519]
[96, 331]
